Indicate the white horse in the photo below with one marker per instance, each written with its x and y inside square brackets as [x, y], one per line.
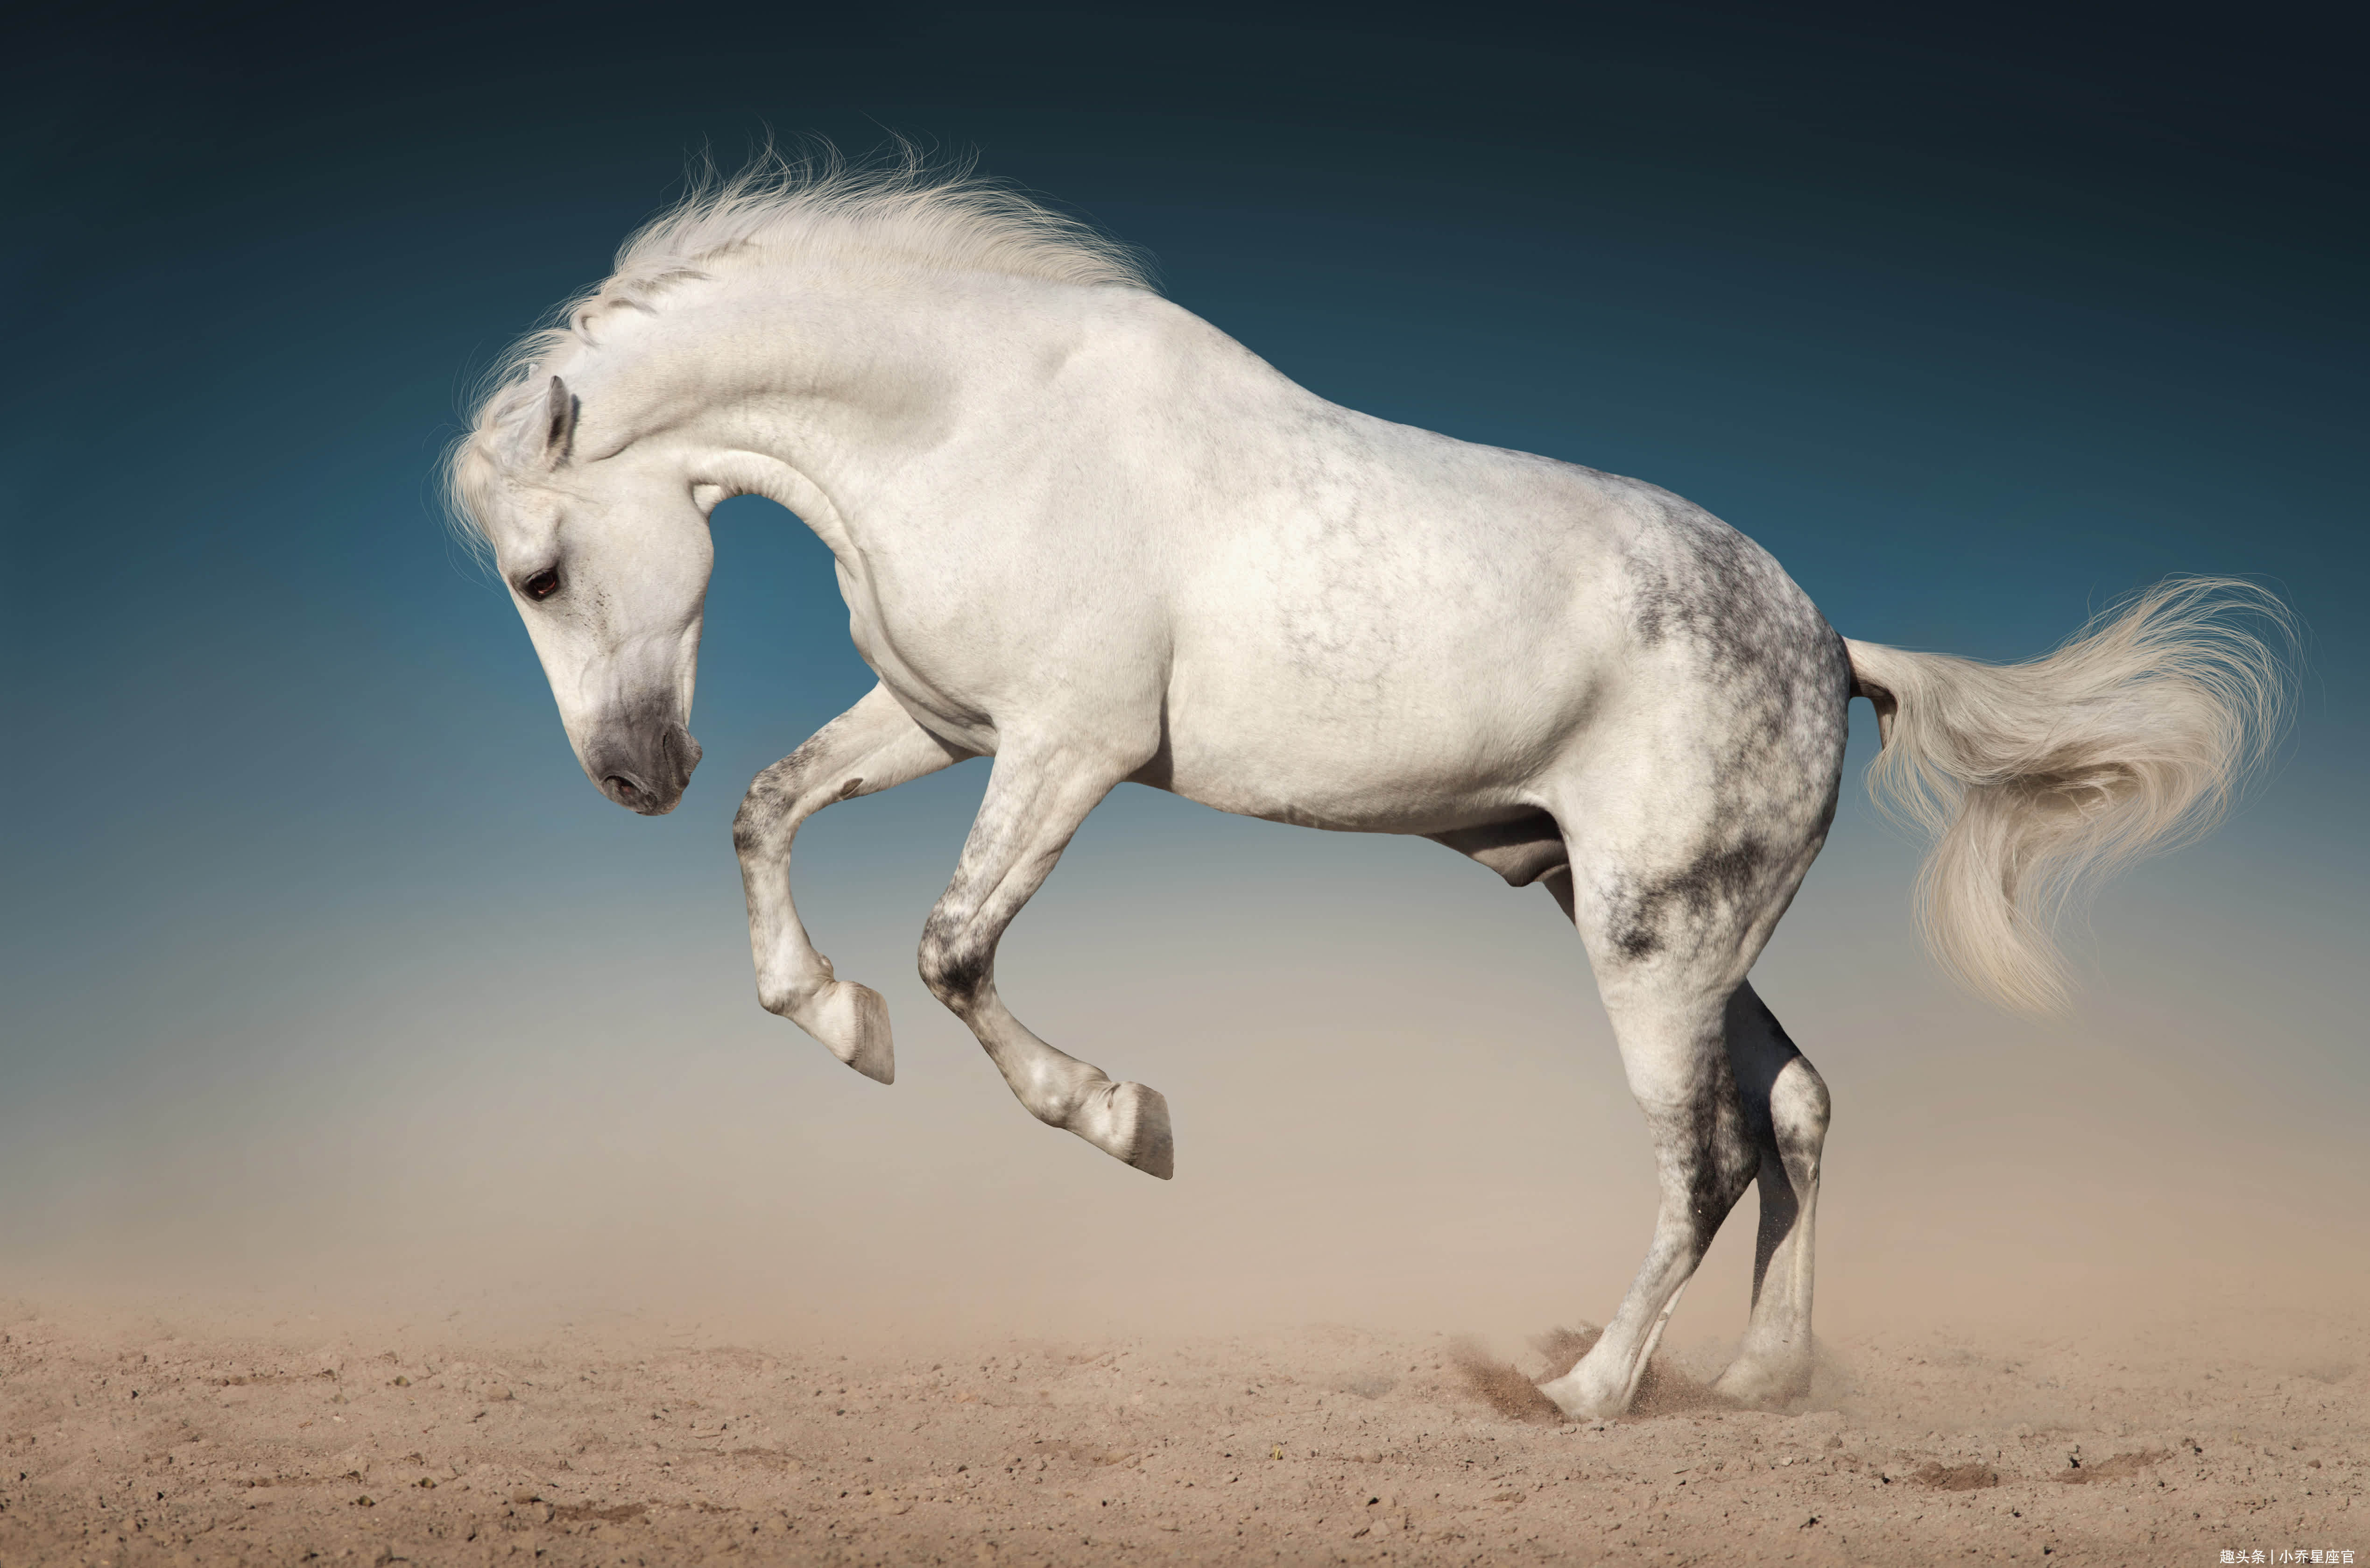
[1083, 532]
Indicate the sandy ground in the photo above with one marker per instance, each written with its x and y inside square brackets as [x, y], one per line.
[138, 1439]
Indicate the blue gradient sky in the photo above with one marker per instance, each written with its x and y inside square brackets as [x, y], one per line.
[316, 934]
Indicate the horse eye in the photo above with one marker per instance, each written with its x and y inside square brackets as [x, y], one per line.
[543, 585]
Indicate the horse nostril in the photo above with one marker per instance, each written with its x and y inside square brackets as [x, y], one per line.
[622, 789]
[681, 751]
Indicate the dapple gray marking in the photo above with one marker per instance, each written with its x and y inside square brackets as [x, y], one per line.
[1082, 532]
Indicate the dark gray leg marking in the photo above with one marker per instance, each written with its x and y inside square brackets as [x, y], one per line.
[957, 962]
[1712, 1151]
[1645, 916]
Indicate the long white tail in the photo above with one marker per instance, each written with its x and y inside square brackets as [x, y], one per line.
[2037, 778]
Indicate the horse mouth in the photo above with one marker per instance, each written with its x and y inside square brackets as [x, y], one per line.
[655, 787]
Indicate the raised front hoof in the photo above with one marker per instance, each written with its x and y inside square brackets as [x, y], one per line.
[1129, 1123]
[1764, 1385]
[852, 1022]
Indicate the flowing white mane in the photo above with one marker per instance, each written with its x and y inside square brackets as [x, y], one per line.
[777, 210]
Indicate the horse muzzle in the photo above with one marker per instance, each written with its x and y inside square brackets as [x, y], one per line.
[643, 767]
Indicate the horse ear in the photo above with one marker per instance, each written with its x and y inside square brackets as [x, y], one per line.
[559, 424]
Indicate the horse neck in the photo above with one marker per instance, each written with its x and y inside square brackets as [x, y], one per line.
[857, 381]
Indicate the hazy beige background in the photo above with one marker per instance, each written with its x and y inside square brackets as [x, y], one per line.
[1396, 1104]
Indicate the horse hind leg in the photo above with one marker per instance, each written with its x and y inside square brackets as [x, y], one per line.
[1671, 934]
[1786, 1109]
[1671, 1033]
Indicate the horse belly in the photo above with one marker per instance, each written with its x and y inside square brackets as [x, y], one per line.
[1398, 679]
[1374, 756]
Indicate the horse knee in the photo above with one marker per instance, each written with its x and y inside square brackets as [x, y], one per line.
[752, 825]
[771, 804]
[954, 965]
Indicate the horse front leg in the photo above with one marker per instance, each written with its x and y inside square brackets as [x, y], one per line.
[873, 746]
[1034, 803]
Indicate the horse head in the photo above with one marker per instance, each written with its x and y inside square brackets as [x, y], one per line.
[606, 553]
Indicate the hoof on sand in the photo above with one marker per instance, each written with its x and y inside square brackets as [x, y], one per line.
[1580, 1402]
[1761, 1385]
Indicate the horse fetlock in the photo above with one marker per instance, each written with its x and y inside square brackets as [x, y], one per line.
[852, 1022]
[788, 997]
